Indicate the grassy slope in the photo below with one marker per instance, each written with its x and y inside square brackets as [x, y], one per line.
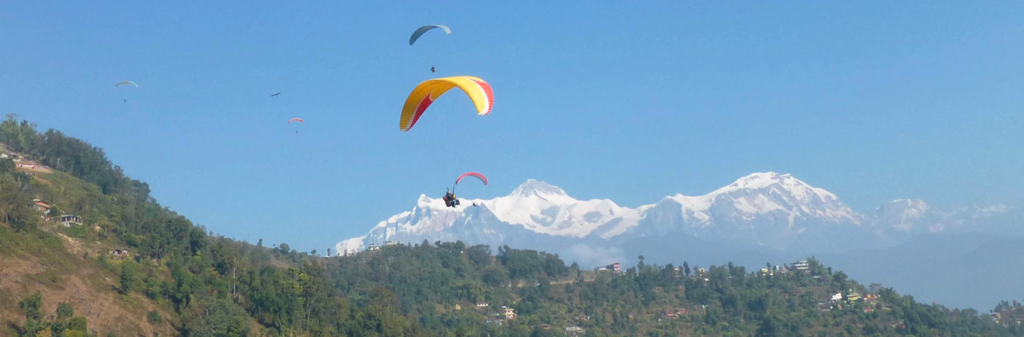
[53, 261]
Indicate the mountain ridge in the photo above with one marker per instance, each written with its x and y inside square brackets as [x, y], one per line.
[762, 209]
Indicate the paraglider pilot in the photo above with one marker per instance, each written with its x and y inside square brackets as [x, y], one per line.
[449, 199]
[432, 69]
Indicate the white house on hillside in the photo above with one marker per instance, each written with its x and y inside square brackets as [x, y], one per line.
[69, 219]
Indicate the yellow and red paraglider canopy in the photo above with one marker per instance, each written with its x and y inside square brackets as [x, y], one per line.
[427, 92]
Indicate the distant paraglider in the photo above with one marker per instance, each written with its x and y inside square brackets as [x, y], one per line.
[126, 83]
[296, 120]
[428, 91]
[433, 70]
[419, 31]
[275, 94]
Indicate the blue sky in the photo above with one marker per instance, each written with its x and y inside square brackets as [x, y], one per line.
[870, 100]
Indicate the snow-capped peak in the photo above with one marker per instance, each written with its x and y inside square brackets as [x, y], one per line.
[538, 188]
[901, 214]
[760, 179]
[908, 207]
[915, 208]
[350, 246]
[547, 209]
[764, 193]
[763, 180]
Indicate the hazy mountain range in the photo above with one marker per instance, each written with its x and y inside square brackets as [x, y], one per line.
[759, 218]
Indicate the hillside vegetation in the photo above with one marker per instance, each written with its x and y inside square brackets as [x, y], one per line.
[179, 279]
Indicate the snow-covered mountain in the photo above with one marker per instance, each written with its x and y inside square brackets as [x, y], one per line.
[761, 209]
[535, 207]
[772, 211]
[902, 218]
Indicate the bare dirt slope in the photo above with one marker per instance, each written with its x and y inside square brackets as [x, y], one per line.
[86, 286]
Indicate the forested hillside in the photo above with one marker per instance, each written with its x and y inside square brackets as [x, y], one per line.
[177, 278]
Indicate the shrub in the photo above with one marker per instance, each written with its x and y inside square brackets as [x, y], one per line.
[153, 317]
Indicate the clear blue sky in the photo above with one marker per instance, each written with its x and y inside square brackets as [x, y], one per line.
[871, 100]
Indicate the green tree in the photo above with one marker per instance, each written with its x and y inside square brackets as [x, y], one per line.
[155, 287]
[78, 324]
[58, 327]
[18, 137]
[132, 240]
[495, 276]
[55, 211]
[479, 255]
[32, 327]
[31, 306]
[211, 318]
[128, 276]
[64, 311]
[769, 327]
[15, 202]
[153, 317]
[7, 166]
